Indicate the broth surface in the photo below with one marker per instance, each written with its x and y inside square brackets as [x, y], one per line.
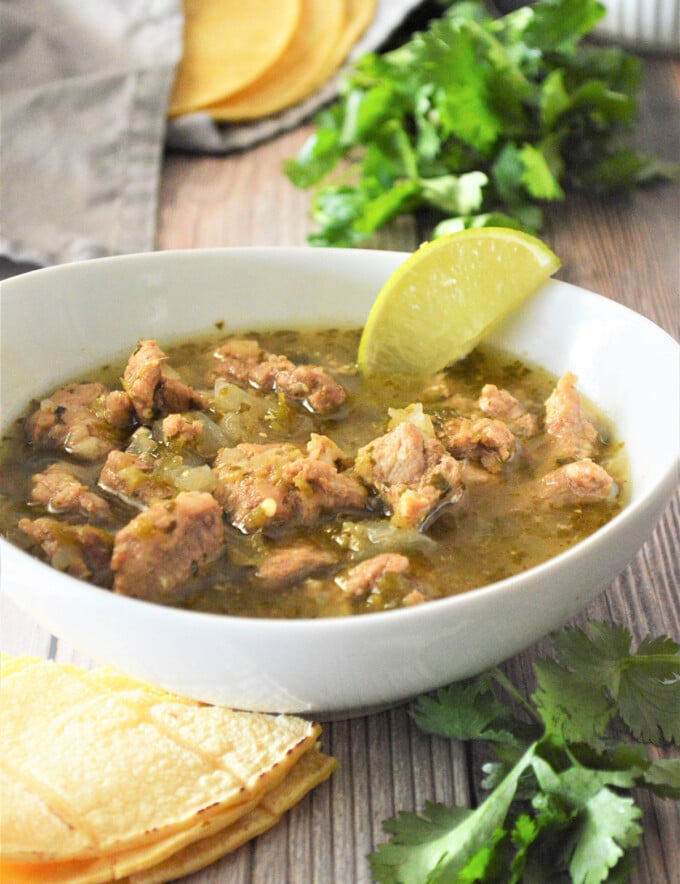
[504, 518]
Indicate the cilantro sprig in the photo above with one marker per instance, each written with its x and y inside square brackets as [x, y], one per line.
[558, 807]
[481, 119]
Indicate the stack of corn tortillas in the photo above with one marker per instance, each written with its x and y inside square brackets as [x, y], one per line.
[104, 778]
[225, 100]
[247, 60]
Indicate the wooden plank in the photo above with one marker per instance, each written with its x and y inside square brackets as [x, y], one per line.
[20, 634]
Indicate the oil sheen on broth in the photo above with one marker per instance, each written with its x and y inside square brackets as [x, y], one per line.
[264, 476]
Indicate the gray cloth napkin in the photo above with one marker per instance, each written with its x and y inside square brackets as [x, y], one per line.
[85, 87]
[84, 90]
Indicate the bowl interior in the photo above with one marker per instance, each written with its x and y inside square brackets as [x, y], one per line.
[94, 311]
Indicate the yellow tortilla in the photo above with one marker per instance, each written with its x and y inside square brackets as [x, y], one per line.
[227, 45]
[116, 866]
[358, 16]
[93, 766]
[313, 768]
[185, 852]
[296, 73]
[10, 664]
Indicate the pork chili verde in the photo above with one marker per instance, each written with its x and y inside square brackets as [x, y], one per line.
[262, 475]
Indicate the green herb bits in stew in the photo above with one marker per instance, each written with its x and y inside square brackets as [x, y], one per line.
[263, 476]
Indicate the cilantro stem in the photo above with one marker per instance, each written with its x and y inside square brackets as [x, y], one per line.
[638, 659]
[509, 688]
[498, 51]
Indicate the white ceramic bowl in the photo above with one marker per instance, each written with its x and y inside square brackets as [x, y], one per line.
[642, 24]
[59, 322]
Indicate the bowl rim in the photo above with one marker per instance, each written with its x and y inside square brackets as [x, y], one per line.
[380, 619]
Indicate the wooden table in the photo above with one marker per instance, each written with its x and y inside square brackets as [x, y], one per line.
[624, 248]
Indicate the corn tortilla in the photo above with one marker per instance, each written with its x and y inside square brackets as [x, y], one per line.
[358, 16]
[10, 664]
[313, 768]
[116, 866]
[106, 767]
[184, 853]
[295, 74]
[227, 45]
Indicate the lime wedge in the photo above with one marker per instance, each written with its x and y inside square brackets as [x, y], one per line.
[438, 305]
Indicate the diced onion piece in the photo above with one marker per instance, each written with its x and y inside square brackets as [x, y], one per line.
[213, 437]
[142, 442]
[229, 397]
[194, 478]
[412, 414]
[372, 537]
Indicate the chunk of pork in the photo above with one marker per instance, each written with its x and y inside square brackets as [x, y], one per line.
[180, 429]
[580, 482]
[156, 554]
[491, 442]
[131, 477]
[566, 422]
[413, 474]
[292, 564]
[73, 419]
[118, 409]
[500, 404]
[245, 361]
[154, 388]
[361, 579]
[264, 486]
[82, 551]
[59, 490]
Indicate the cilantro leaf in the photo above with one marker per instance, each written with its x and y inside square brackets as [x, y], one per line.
[570, 703]
[524, 834]
[554, 98]
[649, 699]
[663, 777]
[537, 176]
[557, 27]
[608, 825]
[461, 194]
[446, 60]
[483, 864]
[478, 118]
[556, 809]
[464, 711]
[317, 157]
[436, 846]
[576, 784]
[487, 219]
[595, 677]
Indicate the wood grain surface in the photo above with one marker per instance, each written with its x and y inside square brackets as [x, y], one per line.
[627, 249]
